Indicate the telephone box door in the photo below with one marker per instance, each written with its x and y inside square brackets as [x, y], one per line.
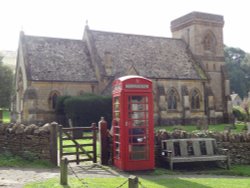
[133, 126]
[137, 127]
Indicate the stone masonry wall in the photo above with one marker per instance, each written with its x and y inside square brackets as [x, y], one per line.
[31, 142]
[237, 144]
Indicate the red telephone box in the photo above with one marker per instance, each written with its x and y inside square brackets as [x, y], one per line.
[133, 124]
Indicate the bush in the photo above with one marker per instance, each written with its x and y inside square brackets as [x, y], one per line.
[239, 113]
[60, 111]
[86, 109]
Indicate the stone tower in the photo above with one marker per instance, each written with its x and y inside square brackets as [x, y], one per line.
[203, 33]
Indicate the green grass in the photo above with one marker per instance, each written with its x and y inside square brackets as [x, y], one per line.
[157, 182]
[80, 141]
[204, 168]
[162, 178]
[9, 160]
[6, 116]
[190, 128]
[235, 170]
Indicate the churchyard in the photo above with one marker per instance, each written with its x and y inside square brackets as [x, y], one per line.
[237, 140]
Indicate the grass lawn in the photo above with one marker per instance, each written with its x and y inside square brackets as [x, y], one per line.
[163, 178]
[157, 182]
[216, 128]
[155, 179]
[80, 141]
[6, 116]
[9, 160]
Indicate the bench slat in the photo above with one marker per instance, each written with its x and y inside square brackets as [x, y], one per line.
[183, 148]
[170, 146]
[196, 147]
[209, 147]
[200, 159]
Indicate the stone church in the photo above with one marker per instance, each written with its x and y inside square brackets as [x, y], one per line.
[188, 70]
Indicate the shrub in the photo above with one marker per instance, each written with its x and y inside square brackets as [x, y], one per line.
[60, 111]
[86, 109]
[239, 113]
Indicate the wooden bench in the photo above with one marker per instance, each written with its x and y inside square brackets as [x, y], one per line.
[193, 150]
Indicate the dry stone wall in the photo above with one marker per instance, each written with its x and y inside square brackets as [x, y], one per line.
[31, 142]
[238, 144]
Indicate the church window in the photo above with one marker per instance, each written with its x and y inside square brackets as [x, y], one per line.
[214, 66]
[209, 41]
[172, 99]
[195, 99]
[53, 99]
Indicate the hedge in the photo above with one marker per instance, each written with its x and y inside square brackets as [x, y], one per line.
[84, 110]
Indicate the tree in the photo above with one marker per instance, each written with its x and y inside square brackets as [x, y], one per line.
[238, 65]
[6, 85]
[1, 58]
[246, 106]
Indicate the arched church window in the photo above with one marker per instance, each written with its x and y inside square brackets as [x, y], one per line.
[172, 99]
[195, 99]
[209, 41]
[53, 99]
[206, 66]
[214, 66]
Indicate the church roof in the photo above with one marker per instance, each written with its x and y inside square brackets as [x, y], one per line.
[53, 59]
[152, 57]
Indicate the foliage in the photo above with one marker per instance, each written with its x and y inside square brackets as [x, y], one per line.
[60, 113]
[6, 116]
[1, 58]
[6, 85]
[246, 105]
[10, 160]
[238, 65]
[192, 128]
[86, 109]
[239, 113]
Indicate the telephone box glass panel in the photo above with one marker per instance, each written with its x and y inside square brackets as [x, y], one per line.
[138, 127]
[116, 126]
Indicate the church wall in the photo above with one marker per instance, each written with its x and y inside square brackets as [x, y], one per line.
[193, 35]
[40, 110]
[200, 31]
[21, 84]
[182, 113]
[204, 35]
[215, 84]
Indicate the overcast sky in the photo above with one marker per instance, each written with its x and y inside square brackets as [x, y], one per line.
[67, 18]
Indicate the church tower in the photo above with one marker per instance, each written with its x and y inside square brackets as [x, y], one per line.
[203, 33]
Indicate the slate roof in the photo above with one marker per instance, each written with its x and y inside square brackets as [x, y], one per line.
[152, 57]
[53, 59]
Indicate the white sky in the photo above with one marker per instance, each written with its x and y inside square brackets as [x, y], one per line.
[66, 18]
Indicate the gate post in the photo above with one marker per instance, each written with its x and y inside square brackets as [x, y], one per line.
[103, 139]
[64, 172]
[53, 143]
[133, 182]
[94, 142]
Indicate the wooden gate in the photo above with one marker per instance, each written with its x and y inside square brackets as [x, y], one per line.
[79, 143]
